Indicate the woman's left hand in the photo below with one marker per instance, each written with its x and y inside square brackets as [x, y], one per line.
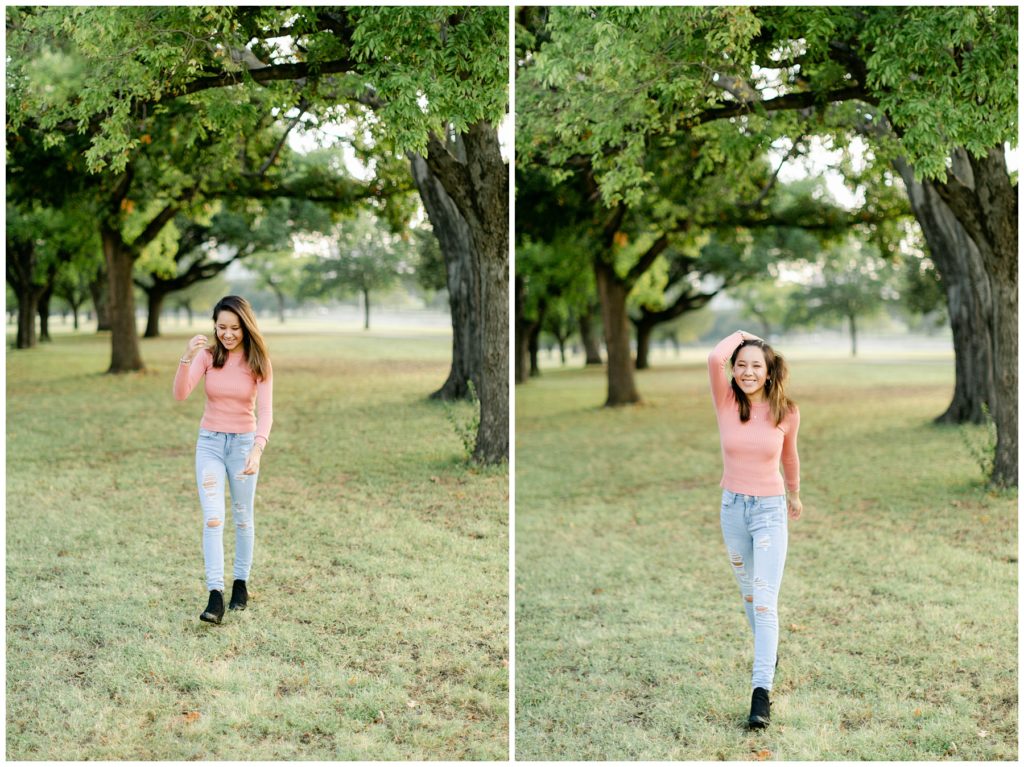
[252, 463]
[796, 508]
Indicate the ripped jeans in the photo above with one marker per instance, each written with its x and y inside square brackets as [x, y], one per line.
[755, 532]
[221, 455]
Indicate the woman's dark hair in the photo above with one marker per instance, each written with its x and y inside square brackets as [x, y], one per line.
[252, 340]
[774, 385]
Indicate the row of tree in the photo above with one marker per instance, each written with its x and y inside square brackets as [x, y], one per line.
[158, 136]
[850, 284]
[650, 143]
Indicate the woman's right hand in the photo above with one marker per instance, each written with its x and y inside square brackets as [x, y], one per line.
[195, 344]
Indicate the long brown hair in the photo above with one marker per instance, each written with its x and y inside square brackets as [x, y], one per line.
[252, 340]
[774, 385]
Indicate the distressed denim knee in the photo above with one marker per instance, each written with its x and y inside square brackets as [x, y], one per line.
[220, 459]
[754, 529]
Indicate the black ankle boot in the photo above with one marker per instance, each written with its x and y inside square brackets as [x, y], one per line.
[760, 709]
[239, 596]
[214, 608]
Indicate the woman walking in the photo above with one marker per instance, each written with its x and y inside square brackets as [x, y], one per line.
[231, 440]
[757, 424]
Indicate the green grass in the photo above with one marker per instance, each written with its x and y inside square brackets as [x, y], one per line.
[377, 626]
[898, 610]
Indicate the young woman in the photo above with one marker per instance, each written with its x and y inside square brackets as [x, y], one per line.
[757, 424]
[231, 440]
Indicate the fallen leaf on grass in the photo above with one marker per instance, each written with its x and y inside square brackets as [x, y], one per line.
[982, 733]
[191, 716]
[763, 754]
[504, 662]
[796, 627]
[917, 712]
[352, 680]
[411, 703]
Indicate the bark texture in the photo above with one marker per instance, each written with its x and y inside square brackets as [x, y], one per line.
[591, 347]
[982, 197]
[21, 273]
[98, 288]
[968, 298]
[613, 292]
[120, 258]
[462, 275]
[479, 188]
[125, 355]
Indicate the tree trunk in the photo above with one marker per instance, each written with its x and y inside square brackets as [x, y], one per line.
[591, 347]
[968, 298]
[534, 347]
[524, 332]
[28, 310]
[280, 302]
[124, 340]
[853, 334]
[44, 312]
[156, 306]
[613, 293]
[366, 308]
[20, 269]
[462, 276]
[982, 197]
[561, 349]
[1004, 471]
[479, 187]
[643, 344]
[98, 289]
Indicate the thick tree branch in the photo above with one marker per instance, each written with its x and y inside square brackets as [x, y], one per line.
[296, 71]
[788, 101]
[452, 174]
[645, 261]
[154, 227]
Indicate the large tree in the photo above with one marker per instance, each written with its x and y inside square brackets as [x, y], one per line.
[461, 277]
[425, 73]
[945, 79]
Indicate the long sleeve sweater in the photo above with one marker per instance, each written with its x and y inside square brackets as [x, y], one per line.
[751, 451]
[231, 394]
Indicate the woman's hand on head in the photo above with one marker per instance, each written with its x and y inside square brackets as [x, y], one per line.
[195, 344]
[795, 506]
[252, 463]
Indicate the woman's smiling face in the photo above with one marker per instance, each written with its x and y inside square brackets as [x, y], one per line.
[229, 330]
[750, 372]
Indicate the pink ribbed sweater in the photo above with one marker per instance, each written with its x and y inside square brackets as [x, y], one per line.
[751, 451]
[231, 394]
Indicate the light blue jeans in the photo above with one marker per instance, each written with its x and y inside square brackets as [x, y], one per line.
[221, 455]
[755, 532]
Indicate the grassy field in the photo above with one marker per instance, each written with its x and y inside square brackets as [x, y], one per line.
[898, 610]
[377, 625]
